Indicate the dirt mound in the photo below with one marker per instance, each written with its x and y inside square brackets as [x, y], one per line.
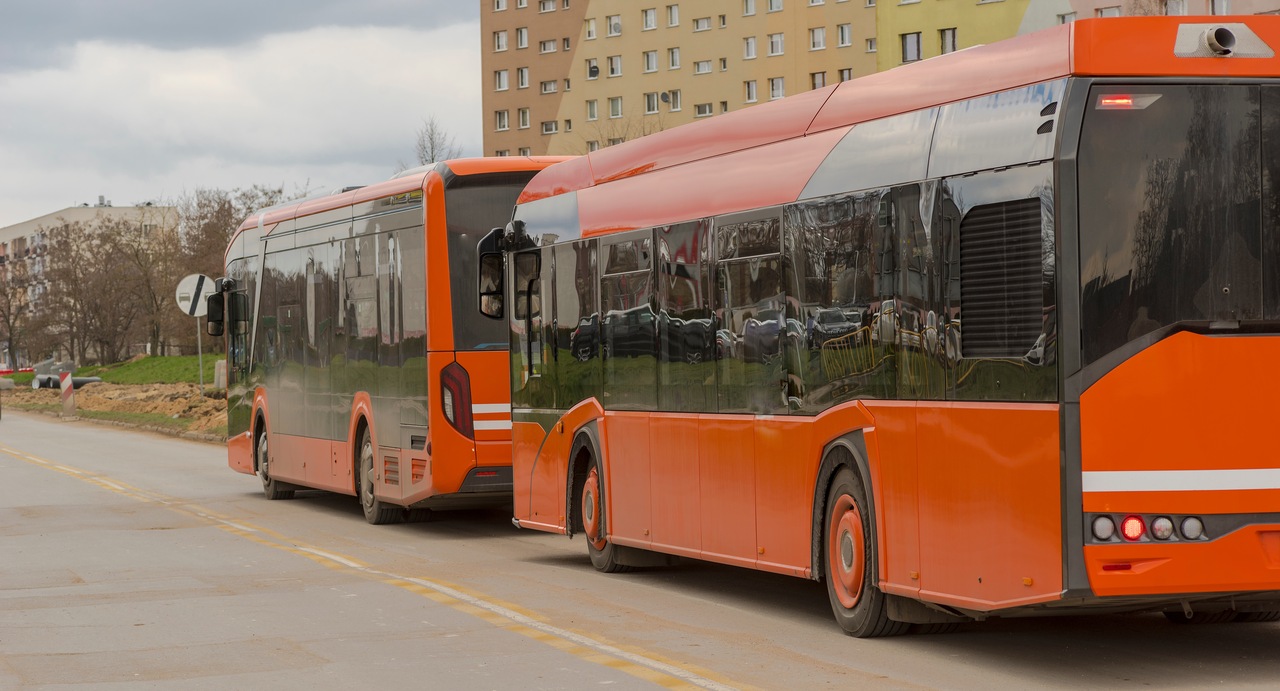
[177, 401]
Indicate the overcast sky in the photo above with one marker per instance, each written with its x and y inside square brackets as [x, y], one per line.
[145, 100]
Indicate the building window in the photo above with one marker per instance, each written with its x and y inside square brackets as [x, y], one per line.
[910, 47]
[499, 41]
[724, 64]
[593, 109]
[702, 24]
[550, 126]
[522, 3]
[651, 103]
[844, 35]
[613, 24]
[591, 28]
[846, 74]
[615, 106]
[522, 118]
[593, 145]
[817, 80]
[776, 44]
[673, 15]
[566, 83]
[948, 38]
[615, 65]
[546, 5]
[526, 151]
[651, 61]
[614, 141]
[500, 80]
[1108, 11]
[564, 4]
[748, 7]
[549, 86]
[775, 5]
[673, 58]
[522, 77]
[1066, 18]
[568, 125]
[818, 38]
[749, 91]
[522, 37]
[723, 21]
[548, 46]
[675, 99]
[593, 69]
[1220, 7]
[871, 3]
[502, 120]
[749, 48]
[499, 5]
[871, 45]
[501, 153]
[648, 19]
[702, 110]
[777, 88]
[566, 43]
[702, 67]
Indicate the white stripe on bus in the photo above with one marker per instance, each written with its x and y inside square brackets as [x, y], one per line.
[491, 424]
[1181, 480]
[480, 408]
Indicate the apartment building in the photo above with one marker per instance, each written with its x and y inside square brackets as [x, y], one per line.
[571, 76]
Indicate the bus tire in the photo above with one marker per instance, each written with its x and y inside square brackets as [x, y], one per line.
[602, 552]
[850, 561]
[271, 487]
[376, 511]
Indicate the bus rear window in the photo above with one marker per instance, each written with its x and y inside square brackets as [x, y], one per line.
[1171, 194]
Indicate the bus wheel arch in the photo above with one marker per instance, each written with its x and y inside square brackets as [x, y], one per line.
[376, 511]
[588, 501]
[271, 487]
[846, 542]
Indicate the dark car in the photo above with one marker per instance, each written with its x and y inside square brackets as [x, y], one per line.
[760, 341]
[829, 324]
[630, 333]
[584, 342]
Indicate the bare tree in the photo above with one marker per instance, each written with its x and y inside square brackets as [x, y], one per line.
[435, 143]
[15, 310]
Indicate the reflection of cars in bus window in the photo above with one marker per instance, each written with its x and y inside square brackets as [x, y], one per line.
[584, 342]
[829, 324]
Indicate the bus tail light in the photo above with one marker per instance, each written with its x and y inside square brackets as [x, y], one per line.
[1132, 528]
[1162, 528]
[1192, 528]
[455, 399]
[1104, 528]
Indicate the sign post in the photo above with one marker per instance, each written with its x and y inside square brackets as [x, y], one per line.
[68, 386]
[190, 297]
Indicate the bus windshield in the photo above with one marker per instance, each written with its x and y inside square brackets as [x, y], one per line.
[1179, 189]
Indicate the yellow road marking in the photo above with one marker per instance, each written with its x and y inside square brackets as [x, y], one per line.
[641, 665]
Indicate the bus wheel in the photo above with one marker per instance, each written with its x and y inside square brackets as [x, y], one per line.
[376, 511]
[272, 488]
[602, 552]
[851, 562]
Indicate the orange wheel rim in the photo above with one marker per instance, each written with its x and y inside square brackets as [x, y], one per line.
[845, 549]
[591, 519]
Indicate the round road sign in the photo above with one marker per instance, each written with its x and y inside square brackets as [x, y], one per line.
[191, 294]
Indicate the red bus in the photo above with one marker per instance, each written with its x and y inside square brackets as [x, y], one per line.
[992, 334]
[356, 361]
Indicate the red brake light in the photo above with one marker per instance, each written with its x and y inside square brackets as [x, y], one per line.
[455, 387]
[1115, 102]
[1133, 528]
[1126, 101]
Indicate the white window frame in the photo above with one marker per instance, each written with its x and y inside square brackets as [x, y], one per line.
[550, 126]
[522, 77]
[749, 48]
[777, 44]
[818, 38]
[676, 101]
[649, 19]
[615, 65]
[522, 37]
[673, 15]
[777, 88]
[613, 25]
[703, 110]
[547, 46]
[593, 110]
[593, 62]
[501, 120]
[499, 5]
[702, 67]
[501, 80]
[750, 91]
[651, 103]
[844, 35]
[650, 61]
[615, 107]
[525, 151]
[546, 5]
[499, 41]
[748, 8]
[591, 29]
[673, 58]
[550, 86]
[702, 24]
[775, 5]
[871, 44]
[522, 118]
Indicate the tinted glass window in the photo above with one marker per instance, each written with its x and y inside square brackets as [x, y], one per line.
[628, 323]
[752, 314]
[1271, 202]
[577, 322]
[686, 329]
[474, 205]
[1170, 211]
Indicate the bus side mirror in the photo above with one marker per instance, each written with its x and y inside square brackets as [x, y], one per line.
[213, 323]
[491, 274]
[238, 313]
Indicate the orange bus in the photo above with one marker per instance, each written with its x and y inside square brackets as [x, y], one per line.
[992, 334]
[356, 361]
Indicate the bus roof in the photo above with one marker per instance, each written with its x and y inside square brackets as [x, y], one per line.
[1110, 47]
[405, 182]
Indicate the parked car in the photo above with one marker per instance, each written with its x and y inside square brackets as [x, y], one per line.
[828, 324]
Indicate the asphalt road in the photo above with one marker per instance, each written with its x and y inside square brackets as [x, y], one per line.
[132, 560]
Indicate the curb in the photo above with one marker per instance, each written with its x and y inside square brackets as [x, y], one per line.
[189, 436]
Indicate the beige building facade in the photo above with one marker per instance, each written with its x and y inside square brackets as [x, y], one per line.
[565, 77]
